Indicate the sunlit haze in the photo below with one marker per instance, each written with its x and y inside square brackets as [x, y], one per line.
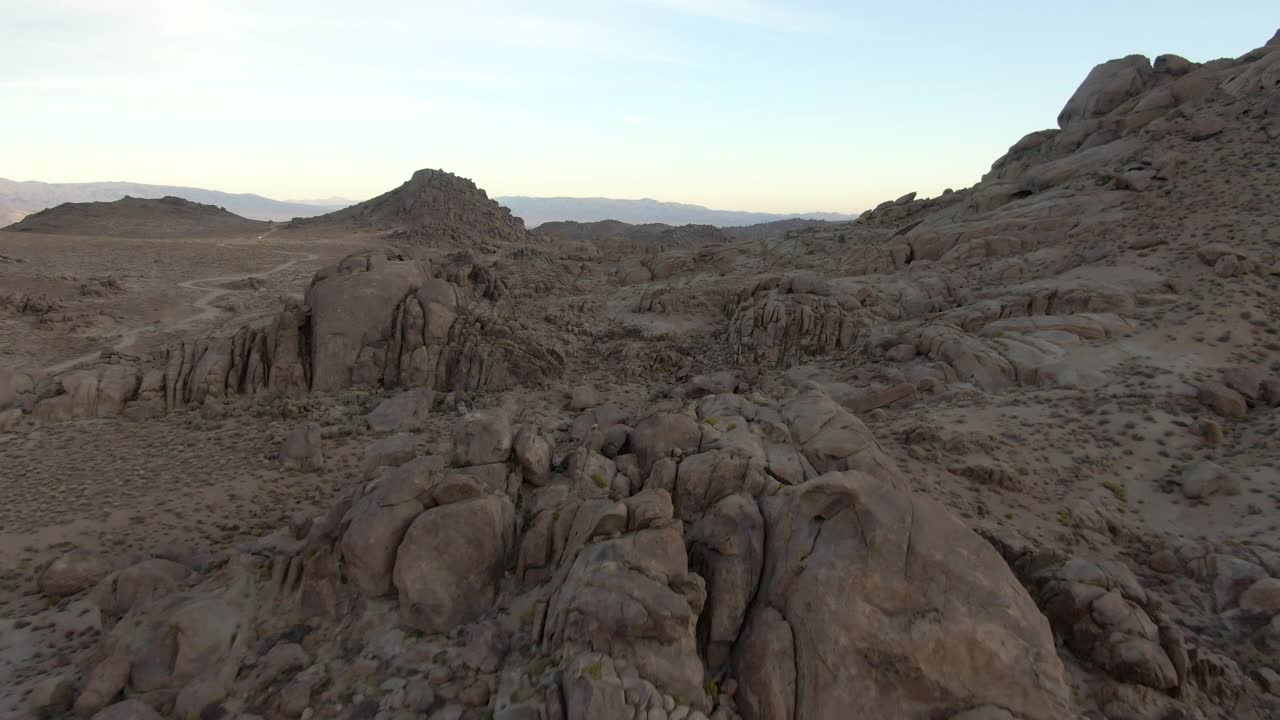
[743, 104]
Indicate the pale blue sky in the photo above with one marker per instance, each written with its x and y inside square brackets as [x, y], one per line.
[743, 104]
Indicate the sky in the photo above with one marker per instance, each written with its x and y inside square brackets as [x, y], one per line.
[764, 105]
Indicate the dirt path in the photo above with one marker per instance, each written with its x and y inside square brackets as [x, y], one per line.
[204, 304]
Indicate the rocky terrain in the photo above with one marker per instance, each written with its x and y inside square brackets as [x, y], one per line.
[1003, 454]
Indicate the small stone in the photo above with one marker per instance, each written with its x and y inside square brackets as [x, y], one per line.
[1202, 480]
[1211, 431]
[1163, 561]
[1269, 679]
[900, 353]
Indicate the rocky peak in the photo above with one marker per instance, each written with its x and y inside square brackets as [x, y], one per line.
[433, 207]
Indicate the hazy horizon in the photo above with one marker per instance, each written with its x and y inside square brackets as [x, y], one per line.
[748, 105]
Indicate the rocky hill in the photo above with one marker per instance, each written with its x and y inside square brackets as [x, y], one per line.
[433, 207]
[137, 217]
[1003, 454]
[19, 199]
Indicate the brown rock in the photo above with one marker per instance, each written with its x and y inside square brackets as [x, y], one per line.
[104, 684]
[845, 546]
[52, 696]
[1223, 400]
[450, 561]
[73, 572]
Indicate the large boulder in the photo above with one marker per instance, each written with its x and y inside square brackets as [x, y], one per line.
[352, 304]
[402, 411]
[658, 435]
[103, 685]
[875, 599]
[1107, 87]
[449, 564]
[482, 437]
[834, 439]
[74, 571]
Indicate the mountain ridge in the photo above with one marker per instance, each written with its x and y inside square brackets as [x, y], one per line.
[539, 210]
[20, 198]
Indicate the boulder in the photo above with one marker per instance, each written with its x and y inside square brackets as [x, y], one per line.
[481, 438]
[73, 572]
[391, 451]
[402, 411]
[1223, 400]
[52, 696]
[123, 590]
[131, 709]
[105, 683]
[1262, 597]
[634, 598]
[533, 452]
[301, 450]
[1203, 479]
[376, 525]
[1107, 87]
[726, 547]
[658, 435]
[833, 439]
[924, 615]
[449, 564]
[352, 304]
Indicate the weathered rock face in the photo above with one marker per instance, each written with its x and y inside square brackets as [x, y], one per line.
[352, 305]
[1106, 88]
[859, 571]
[377, 318]
[778, 329]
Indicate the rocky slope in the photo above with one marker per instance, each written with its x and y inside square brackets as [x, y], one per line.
[1007, 453]
[137, 217]
[432, 207]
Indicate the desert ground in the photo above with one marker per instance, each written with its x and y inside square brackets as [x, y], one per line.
[1008, 453]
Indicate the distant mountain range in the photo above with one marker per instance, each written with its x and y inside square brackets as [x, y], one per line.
[19, 199]
[538, 210]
